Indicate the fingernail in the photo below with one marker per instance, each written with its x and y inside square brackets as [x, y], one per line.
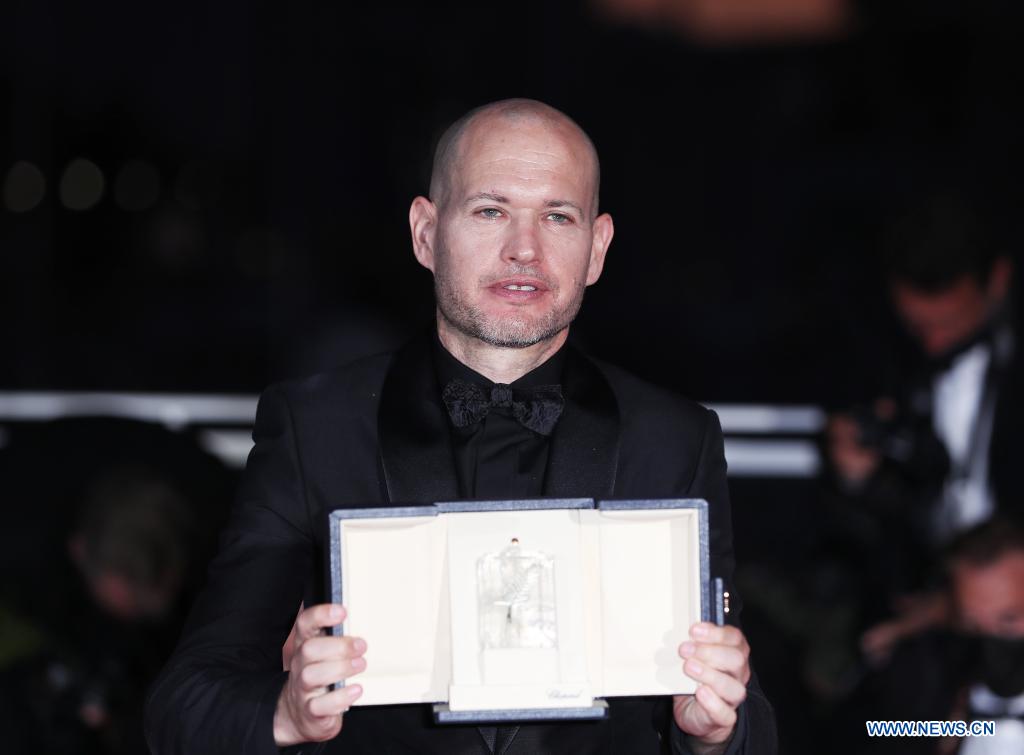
[695, 668]
[359, 645]
[358, 663]
[335, 613]
[687, 649]
[353, 691]
[699, 630]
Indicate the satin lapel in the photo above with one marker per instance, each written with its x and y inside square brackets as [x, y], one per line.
[585, 444]
[413, 431]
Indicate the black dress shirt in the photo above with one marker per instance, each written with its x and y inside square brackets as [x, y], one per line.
[498, 458]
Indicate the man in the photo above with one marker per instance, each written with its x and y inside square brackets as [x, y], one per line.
[512, 235]
[965, 662]
[113, 541]
[942, 442]
[939, 454]
[987, 589]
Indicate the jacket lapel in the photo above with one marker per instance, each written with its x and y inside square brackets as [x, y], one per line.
[585, 444]
[413, 430]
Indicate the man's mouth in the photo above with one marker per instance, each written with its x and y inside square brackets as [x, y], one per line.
[519, 290]
[517, 283]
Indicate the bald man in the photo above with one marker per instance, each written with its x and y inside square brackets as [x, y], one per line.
[512, 234]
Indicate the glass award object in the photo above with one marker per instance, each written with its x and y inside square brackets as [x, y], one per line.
[516, 599]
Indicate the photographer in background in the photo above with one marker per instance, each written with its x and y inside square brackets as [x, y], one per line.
[108, 528]
[937, 455]
[986, 567]
[100, 618]
[968, 663]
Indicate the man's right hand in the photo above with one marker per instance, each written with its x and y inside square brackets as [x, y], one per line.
[854, 463]
[915, 614]
[307, 711]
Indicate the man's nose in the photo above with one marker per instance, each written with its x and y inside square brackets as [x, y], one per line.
[523, 243]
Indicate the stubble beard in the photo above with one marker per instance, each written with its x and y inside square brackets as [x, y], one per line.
[510, 331]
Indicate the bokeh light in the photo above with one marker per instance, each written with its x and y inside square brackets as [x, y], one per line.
[82, 185]
[24, 187]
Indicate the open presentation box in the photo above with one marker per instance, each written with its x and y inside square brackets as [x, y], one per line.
[522, 610]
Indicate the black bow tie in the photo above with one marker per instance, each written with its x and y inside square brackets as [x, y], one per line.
[536, 409]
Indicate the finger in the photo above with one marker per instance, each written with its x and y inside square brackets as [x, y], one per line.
[324, 648]
[705, 631]
[319, 675]
[313, 619]
[719, 712]
[729, 660]
[880, 636]
[334, 703]
[726, 686]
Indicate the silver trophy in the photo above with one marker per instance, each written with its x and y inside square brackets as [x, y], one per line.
[516, 599]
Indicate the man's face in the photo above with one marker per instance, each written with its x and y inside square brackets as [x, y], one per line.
[990, 597]
[942, 320]
[514, 243]
[124, 599]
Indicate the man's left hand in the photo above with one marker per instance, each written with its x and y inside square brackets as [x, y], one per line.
[718, 658]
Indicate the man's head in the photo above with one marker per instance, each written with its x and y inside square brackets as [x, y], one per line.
[511, 230]
[986, 568]
[132, 543]
[946, 276]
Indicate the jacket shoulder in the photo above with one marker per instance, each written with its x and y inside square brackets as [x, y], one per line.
[643, 402]
[669, 446]
[352, 387]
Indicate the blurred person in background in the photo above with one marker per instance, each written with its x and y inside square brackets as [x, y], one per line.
[932, 456]
[965, 661]
[937, 454]
[937, 447]
[987, 573]
[99, 562]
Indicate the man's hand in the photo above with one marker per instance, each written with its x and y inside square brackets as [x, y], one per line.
[719, 659]
[306, 710]
[853, 462]
[915, 614]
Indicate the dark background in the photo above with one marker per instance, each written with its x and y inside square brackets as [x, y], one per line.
[747, 176]
[749, 157]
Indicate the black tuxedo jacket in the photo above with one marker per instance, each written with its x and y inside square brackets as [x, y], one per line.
[376, 434]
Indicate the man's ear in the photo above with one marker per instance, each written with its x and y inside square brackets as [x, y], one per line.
[423, 224]
[604, 229]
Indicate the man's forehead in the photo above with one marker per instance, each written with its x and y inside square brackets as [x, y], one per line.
[1006, 569]
[539, 154]
[538, 140]
[530, 169]
[964, 288]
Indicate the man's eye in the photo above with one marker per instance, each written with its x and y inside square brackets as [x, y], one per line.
[559, 218]
[489, 212]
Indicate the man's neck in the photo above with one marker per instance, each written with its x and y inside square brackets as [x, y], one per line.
[496, 363]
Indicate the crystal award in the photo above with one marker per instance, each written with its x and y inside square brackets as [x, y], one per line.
[516, 599]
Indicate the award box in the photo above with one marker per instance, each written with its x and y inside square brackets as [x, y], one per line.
[522, 610]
